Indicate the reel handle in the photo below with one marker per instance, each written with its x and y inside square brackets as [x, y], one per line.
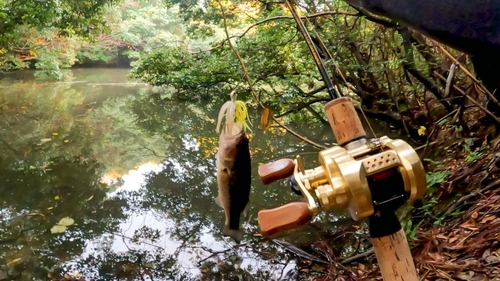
[277, 170]
[286, 217]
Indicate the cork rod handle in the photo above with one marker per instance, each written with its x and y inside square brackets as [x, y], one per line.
[344, 120]
[394, 257]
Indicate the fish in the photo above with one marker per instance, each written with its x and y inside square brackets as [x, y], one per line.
[234, 171]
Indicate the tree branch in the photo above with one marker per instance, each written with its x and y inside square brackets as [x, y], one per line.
[301, 106]
[329, 13]
[409, 65]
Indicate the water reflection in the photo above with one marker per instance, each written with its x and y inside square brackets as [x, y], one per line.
[135, 171]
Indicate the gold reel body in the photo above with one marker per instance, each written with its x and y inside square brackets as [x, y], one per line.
[340, 181]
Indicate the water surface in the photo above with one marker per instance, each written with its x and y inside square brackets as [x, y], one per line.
[135, 172]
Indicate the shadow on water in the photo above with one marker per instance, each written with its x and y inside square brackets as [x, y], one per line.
[134, 173]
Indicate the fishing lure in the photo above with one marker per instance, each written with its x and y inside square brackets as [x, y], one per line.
[236, 114]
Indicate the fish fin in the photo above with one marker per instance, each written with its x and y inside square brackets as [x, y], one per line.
[236, 234]
[218, 202]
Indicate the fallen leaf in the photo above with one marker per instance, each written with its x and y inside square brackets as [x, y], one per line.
[75, 273]
[56, 197]
[442, 237]
[183, 210]
[90, 198]
[32, 167]
[45, 140]
[67, 221]
[492, 259]
[474, 215]
[55, 134]
[468, 225]
[486, 253]
[58, 229]
[452, 239]
[13, 261]
[487, 219]
[66, 141]
[257, 235]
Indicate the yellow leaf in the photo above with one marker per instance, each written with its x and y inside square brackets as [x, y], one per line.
[56, 198]
[58, 229]
[55, 134]
[13, 261]
[421, 131]
[266, 119]
[76, 273]
[67, 221]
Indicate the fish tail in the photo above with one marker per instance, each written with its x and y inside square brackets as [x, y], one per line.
[236, 234]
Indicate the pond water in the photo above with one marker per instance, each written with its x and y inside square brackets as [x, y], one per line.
[133, 172]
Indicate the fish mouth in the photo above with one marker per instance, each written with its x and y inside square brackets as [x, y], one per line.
[239, 134]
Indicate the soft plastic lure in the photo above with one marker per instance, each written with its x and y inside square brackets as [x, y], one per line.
[236, 114]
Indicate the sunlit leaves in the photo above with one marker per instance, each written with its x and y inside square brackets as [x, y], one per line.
[62, 225]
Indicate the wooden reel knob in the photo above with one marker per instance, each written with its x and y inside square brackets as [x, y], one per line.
[276, 170]
[286, 217]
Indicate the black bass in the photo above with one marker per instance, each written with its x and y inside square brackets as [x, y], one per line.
[234, 171]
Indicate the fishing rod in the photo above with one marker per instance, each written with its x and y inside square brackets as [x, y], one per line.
[322, 69]
[371, 178]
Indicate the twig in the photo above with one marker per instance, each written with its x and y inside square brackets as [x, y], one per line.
[213, 254]
[357, 257]
[452, 207]
[449, 80]
[471, 100]
[131, 239]
[483, 88]
[249, 81]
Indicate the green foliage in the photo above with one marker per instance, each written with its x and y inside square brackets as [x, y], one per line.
[132, 28]
[73, 17]
[44, 32]
[411, 230]
[436, 178]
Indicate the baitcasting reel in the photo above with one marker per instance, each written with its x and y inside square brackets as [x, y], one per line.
[363, 176]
